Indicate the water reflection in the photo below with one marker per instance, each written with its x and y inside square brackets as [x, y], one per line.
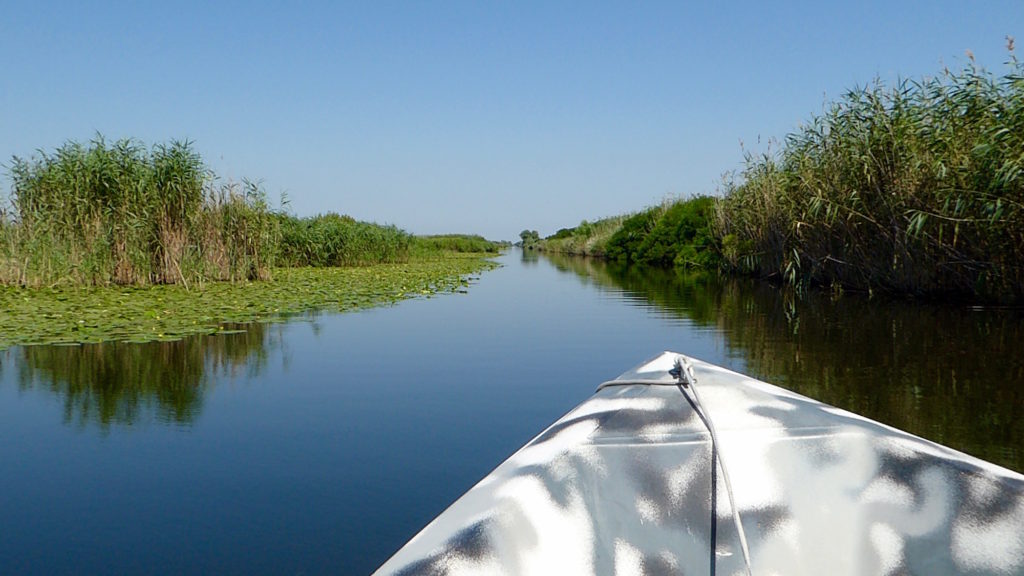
[529, 257]
[951, 374]
[127, 383]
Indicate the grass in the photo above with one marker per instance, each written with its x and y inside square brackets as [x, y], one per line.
[912, 189]
[60, 315]
[462, 243]
[587, 239]
[122, 213]
[334, 240]
[915, 188]
[124, 243]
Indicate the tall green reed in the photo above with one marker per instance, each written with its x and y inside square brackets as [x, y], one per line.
[914, 188]
[466, 243]
[123, 214]
[335, 240]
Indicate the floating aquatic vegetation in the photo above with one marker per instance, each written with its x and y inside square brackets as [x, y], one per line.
[171, 312]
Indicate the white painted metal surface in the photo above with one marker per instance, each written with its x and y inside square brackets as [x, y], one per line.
[624, 484]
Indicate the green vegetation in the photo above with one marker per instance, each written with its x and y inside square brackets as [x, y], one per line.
[333, 240]
[918, 188]
[124, 214]
[170, 312]
[676, 233]
[587, 239]
[529, 239]
[461, 243]
[123, 243]
[915, 189]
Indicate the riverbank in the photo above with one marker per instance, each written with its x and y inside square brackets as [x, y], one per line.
[127, 214]
[171, 312]
[677, 233]
[915, 189]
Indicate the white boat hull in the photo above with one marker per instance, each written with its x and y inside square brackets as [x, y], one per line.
[623, 484]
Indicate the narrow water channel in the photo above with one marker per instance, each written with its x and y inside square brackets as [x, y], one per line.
[322, 444]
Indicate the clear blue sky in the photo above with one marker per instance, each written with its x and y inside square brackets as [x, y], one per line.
[485, 117]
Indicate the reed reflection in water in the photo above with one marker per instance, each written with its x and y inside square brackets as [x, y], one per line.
[127, 383]
[953, 374]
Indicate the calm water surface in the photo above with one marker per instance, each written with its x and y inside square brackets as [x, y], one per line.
[323, 444]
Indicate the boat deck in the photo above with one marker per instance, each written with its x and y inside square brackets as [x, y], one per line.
[630, 482]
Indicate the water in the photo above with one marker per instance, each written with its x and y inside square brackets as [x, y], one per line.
[322, 445]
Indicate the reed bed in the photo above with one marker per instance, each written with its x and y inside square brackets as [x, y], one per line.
[121, 213]
[462, 243]
[105, 214]
[913, 188]
[335, 240]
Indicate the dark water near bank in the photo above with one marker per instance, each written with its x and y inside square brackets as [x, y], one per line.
[322, 445]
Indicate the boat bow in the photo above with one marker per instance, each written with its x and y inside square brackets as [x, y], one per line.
[630, 482]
